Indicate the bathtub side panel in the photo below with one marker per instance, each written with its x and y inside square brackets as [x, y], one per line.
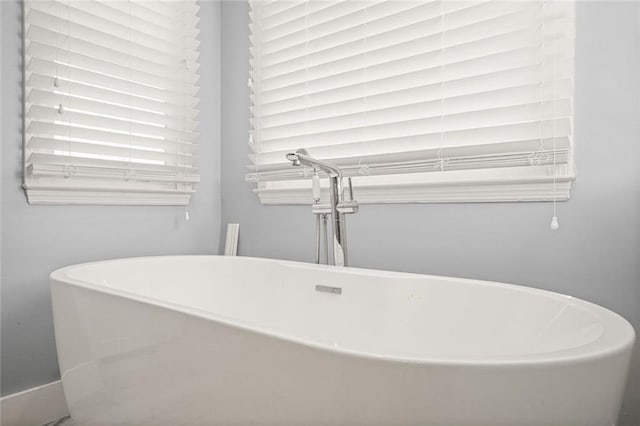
[127, 362]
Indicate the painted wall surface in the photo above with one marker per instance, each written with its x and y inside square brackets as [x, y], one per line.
[39, 239]
[596, 253]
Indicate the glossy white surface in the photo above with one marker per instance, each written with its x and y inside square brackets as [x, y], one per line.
[35, 406]
[209, 340]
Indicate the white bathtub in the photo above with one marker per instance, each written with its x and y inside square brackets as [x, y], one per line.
[208, 340]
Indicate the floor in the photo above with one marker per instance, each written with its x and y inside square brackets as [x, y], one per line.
[66, 421]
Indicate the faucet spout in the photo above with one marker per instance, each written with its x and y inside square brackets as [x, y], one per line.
[302, 158]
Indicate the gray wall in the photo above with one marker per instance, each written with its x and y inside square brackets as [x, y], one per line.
[594, 256]
[38, 239]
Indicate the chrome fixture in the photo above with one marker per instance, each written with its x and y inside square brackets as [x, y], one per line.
[329, 289]
[302, 158]
[337, 208]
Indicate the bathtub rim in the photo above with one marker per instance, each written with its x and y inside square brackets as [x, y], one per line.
[583, 353]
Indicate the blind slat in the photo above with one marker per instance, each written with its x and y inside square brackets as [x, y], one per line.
[111, 63]
[62, 130]
[51, 84]
[103, 17]
[490, 134]
[64, 148]
[44, 98]
[415, 98]
[420, 63]
[357, 150]
[419, 117]
[162, 13]
[124, 169]
[95, 78]
[79, 118]
[422, 80]
[90, 27]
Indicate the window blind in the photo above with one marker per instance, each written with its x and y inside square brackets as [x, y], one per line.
[419, 101]
[111, 101]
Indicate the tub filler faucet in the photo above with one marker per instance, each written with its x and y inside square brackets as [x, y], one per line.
[339, 204]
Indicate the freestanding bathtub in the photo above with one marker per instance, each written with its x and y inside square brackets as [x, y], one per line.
[208, 340]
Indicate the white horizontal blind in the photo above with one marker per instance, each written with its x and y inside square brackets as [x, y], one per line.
[418, 100]
[111, 101]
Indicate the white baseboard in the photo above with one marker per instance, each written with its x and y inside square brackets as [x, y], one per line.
[34, 407]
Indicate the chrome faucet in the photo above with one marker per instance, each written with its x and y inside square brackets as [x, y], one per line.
[337, 203]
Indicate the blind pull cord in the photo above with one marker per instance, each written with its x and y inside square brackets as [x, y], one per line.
[554, 220]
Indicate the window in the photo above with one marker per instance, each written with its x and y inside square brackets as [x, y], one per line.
[419, 101]
[111, 103]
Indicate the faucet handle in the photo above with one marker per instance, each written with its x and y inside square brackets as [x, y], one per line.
[350, 189]
[349, 206]
[315, 186]
[321, 208]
